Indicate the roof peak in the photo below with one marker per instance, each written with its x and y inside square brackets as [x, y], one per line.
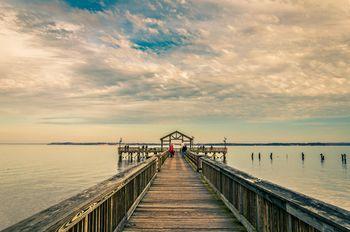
[175, 133]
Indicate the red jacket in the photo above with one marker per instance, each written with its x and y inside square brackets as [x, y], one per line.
[171, 148]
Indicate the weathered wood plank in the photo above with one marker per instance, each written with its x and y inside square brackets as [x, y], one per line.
[180, 230]
[179, 201]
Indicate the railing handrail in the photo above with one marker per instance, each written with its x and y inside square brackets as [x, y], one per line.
[288, 200]
[195, 159]
[221, 149]
[76, 207]
[139, 149]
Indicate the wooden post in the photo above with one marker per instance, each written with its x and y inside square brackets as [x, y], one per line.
[198, 164]
[343, 158]
[138, 156]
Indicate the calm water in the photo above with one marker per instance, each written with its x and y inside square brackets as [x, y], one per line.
[328, 181]
[34, 177]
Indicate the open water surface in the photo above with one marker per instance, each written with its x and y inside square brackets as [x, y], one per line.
[34, 177]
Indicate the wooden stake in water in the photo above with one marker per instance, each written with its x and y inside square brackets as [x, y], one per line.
[343, 158]
[322, 157]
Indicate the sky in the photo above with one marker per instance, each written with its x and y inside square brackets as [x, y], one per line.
[248, 70]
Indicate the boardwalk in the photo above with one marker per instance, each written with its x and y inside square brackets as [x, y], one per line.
[179, 201]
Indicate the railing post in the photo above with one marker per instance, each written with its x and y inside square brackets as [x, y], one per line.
[160, 159]
[199, 163]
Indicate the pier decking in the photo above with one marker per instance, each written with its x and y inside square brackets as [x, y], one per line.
[179, 201]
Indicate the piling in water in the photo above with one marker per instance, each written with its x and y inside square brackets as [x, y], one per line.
[322, 157]
[343, 158]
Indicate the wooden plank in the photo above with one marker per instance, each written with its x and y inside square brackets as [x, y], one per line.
[179, 201]
[183, 224]
[179, 230]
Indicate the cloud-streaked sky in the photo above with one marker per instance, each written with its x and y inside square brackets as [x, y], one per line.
[250, 70]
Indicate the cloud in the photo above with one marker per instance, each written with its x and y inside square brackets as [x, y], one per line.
[174, 61]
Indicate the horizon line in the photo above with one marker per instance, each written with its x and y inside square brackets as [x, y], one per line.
[156, 143]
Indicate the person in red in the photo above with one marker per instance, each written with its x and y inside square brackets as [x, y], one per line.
[171, 150]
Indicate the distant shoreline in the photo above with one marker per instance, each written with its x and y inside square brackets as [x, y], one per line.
[210, 144]
[205, 144]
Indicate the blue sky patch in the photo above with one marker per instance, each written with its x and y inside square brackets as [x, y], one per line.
[156, 46]
[92, 5]
[159, 44]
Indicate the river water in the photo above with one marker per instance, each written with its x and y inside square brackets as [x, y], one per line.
[34, 177]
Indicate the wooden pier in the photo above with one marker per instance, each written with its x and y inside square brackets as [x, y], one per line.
[165, 194]
[215, 153]
[127, 152]
[137, 152]
[179, 201]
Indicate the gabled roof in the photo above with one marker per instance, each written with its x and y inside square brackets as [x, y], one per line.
[168, 135]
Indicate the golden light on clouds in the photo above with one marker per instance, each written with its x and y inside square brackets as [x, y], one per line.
[229, 65]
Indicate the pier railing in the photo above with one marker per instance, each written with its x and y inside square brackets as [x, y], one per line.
[195, 160]
[138, 149]
[104, 207]
[206, 150]
[263, 206]
[161, 159]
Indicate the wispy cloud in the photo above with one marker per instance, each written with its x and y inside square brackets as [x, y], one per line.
[172, 61]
